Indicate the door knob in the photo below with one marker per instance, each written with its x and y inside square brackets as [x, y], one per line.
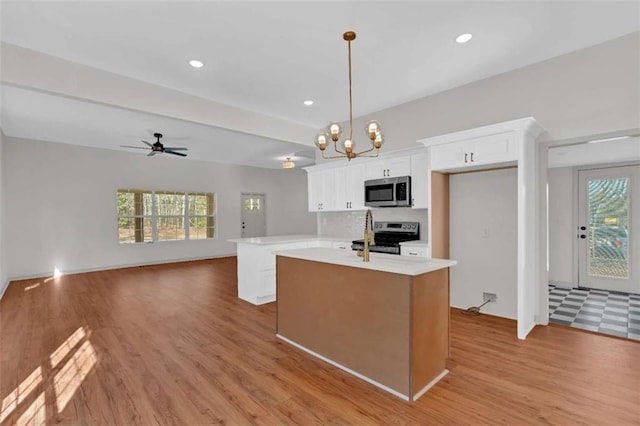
[583, 228]
[583, 236]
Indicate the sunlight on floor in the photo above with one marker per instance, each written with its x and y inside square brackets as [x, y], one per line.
[62, 351]
[31, 287]
[19, 394]
[35, 414]
[65, 383]
[70, 377]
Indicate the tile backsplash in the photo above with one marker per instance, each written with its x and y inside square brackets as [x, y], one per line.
[350, 225]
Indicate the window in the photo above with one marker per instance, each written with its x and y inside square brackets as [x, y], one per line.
[147, 216]
[252, 204]
[134, 216]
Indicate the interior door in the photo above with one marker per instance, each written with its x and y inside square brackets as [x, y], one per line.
[253, 216]
[608, 229]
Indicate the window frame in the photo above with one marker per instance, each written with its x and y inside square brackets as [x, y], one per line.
[211, 210]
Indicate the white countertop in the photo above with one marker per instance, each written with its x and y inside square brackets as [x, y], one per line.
[403, 265]
[281, 239]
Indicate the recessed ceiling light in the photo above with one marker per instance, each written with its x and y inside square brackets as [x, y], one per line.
[308, 102]
[463, 38]
[196, 63]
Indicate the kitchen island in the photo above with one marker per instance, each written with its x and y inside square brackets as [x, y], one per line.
[257, 263]
[385, 321]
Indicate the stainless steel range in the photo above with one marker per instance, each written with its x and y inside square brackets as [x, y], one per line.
[389, 235]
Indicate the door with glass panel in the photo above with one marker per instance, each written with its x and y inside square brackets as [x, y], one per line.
[253, 216]
[608, 228]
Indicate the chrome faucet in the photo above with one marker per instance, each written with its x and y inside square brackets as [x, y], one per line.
[368, 236]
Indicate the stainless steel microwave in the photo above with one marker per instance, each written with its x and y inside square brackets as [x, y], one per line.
[388, 192]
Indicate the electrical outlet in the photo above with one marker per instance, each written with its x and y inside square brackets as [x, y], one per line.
[491, 297]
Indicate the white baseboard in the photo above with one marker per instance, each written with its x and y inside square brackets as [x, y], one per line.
[562, 284]
[4, 287]
[430, 385]
[121, 266]
[342, 367]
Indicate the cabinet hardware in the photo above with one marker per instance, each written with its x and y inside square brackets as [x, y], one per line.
[412, 253]
[472, 157]
[465, 157]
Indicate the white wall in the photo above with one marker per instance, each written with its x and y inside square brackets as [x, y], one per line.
[561, 231]
[591, 91]
[3, 252]
[483, 238]
[61, 212]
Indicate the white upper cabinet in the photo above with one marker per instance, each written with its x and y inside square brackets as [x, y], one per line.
[486, 150]
[322, 190]
[349, 187]
[340, 186]
[388, 167]
[420, 182]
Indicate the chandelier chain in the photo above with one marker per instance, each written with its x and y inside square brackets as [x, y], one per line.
[350, 96]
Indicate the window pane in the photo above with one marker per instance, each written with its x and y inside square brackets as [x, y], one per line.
[198, 227]
[134, 229]
[170, 204]
[198, 205]
[125, 203]
[170, 228]
[608, 225]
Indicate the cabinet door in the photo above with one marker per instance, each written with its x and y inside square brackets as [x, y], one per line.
[329, 190]
[315, 189]
[447, 156]
[399, 166]
[342, 188]
[355, 185]
[376, 169]
[493, 149]
[388, 167]
[420, 181]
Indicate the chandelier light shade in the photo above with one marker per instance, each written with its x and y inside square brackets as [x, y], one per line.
[333, 131]
[288, 163]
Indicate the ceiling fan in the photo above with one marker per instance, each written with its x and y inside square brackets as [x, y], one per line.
[158, 148]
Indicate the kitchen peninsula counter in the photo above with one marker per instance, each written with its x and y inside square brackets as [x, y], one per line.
[385, 321]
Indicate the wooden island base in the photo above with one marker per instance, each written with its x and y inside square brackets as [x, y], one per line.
[389, 329]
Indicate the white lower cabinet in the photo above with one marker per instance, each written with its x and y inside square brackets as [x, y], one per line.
[415, 250]
[257, 270]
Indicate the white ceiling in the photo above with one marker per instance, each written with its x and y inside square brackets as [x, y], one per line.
[590, 153]
[268, 57]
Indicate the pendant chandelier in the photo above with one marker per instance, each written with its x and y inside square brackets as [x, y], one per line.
[288, 163]
[334, 130]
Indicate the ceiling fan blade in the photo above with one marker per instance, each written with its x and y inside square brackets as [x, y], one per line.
[134, 147]
[168, 151]
[151, 154]
[174, 148]
[148, 143]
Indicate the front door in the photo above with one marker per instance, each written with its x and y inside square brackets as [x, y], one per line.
[253, 215]
[609, 228]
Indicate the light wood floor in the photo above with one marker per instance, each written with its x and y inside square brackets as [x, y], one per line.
[172, 344]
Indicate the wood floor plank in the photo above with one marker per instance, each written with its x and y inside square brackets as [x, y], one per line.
[172, 344]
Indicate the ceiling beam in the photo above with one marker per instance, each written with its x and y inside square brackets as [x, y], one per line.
[37, 71]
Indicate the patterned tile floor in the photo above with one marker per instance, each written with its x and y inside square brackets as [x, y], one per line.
[603, 311]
